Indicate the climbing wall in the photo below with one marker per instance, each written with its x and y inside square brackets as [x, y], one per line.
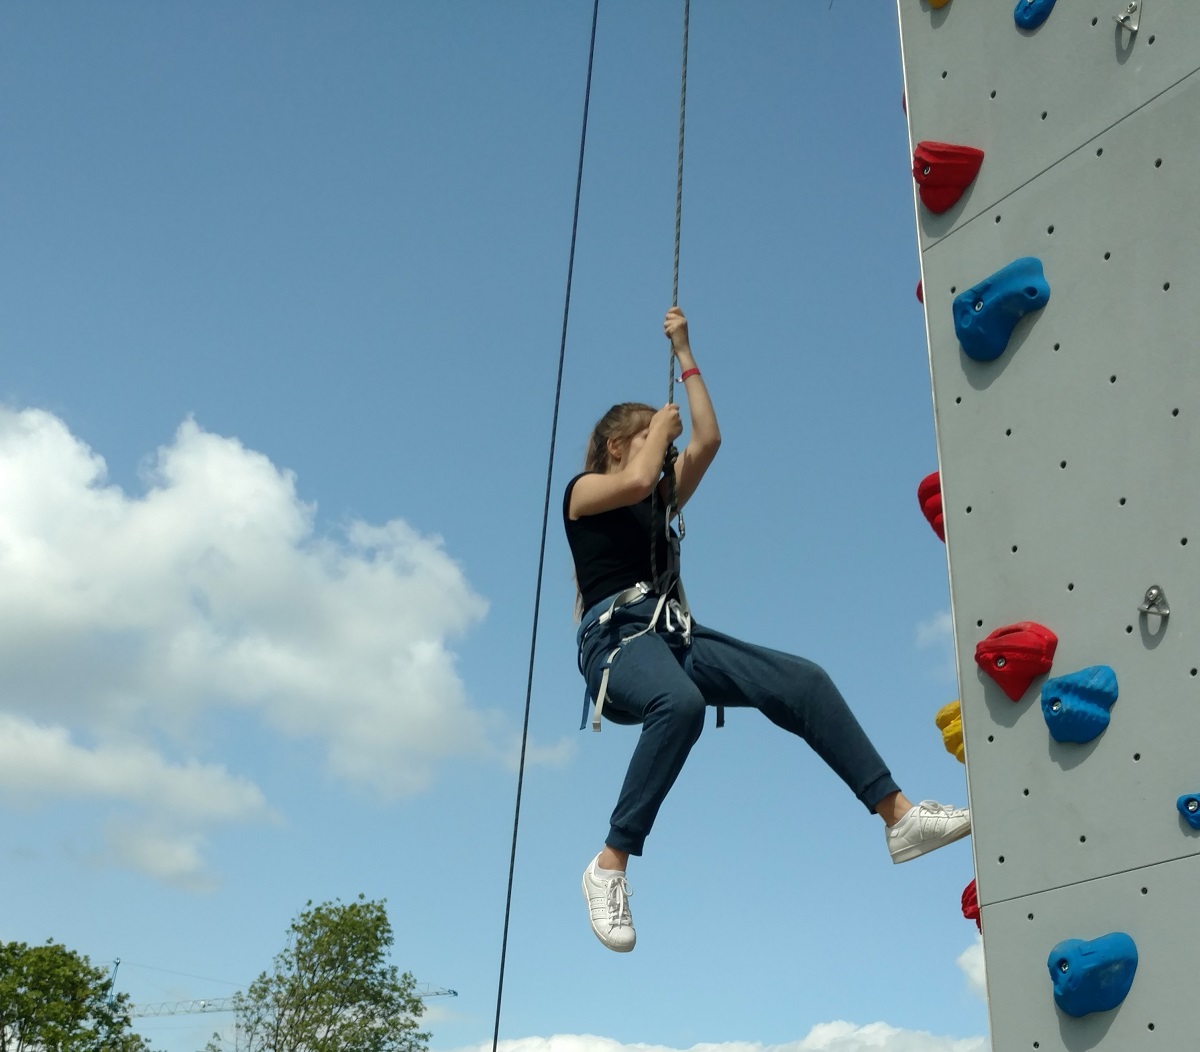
[1070, 484]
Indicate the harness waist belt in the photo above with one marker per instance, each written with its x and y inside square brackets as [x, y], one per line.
[677, 619]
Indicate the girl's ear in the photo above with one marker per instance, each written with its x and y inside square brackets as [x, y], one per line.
[614, 450]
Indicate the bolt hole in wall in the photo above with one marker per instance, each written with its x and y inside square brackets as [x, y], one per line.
[1108, 255]
[1158, 163]
[1129, 630]
[993, 93]
[1137, 756]
[1050, 229]
[1100, 152]
[1121, 502]
[1057, 346]
[1070, 586]
[1045, 114]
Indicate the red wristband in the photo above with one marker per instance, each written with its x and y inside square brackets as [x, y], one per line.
[689, 372]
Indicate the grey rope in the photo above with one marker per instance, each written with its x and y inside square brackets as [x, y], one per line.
[537, 598]
[672, 453]
[679, 183]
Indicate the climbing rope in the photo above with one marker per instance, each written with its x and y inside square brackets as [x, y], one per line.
[679, 183]
[537, 597]
[668, 465]
[672, 453]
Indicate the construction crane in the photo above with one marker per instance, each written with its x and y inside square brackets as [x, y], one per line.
[225, 1004]
[211, 1004]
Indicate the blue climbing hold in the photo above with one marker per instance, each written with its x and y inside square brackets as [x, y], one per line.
[1076, 705]
[1029, 14]
[1189, 807]
[1092, 976]
[985, 316]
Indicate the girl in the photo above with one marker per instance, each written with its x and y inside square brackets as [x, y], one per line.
[646, 663]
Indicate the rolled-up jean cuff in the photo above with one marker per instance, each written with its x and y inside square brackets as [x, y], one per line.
[619, 840]
[882, 787]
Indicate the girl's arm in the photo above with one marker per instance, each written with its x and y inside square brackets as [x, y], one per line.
[704, 438]
[595, 493]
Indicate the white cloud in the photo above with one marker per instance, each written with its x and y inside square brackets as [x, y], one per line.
[175, 803]
[971, 963]
[937, 634]
[439, 1012]
[936, 631]
[38, 762]
[170, 856]
[557, 755]
[125, 620]
[825, 1037]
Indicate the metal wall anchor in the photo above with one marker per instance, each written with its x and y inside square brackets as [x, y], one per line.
[1155, 602]
[1132, 17]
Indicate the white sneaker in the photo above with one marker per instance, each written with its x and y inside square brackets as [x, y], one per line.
[926, 827]
[608, 907]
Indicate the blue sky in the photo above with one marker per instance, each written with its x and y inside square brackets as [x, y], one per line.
[282, 298]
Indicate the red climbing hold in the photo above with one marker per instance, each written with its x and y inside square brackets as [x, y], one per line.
[929, 493]
[943, 171]
[920, 291]
[970, 905]
[1014, 656]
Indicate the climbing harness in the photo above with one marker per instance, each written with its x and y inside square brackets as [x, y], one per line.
[676, 621]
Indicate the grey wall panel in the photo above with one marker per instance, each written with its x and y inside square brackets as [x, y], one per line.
[1084, 77]
[1084, 559]
[1157, 1014]
[1070, 481]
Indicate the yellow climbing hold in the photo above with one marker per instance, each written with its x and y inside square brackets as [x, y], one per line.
[949, 721]
[938, 3]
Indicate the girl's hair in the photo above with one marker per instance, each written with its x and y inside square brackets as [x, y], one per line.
[620, 423]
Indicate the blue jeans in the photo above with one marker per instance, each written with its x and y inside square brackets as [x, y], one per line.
[663, 683]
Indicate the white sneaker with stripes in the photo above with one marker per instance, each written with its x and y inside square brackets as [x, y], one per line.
[926, 827]
[608, 908]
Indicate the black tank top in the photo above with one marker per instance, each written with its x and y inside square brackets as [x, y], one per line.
[612, 550]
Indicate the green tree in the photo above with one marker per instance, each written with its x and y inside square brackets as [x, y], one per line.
[331, 989]
[53, 1000]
